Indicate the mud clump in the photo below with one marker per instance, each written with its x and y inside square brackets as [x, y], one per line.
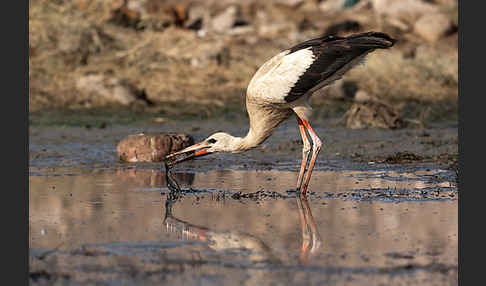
[151, 147]
[402, 157]
[259, 195]
[398, 195]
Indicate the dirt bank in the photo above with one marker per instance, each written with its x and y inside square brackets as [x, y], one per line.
[147, 56]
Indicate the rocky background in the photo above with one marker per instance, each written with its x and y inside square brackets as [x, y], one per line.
[176, 58]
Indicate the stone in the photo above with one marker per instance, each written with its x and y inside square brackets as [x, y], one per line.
[332, 5]
[395, 8]
[192, 49]
[290, 3]
[398, 24]
[224, 21]
[447, 2]
[273, 30]
[372, 114]
[151, 147]
[432, 27]
[198, 17]
[101, 88]
[362, 96]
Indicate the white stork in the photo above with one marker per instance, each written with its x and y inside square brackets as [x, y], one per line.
[282, 86]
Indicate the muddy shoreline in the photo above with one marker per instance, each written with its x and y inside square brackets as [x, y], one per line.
[434, 145]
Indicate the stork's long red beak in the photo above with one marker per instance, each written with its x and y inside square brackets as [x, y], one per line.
[196, 150]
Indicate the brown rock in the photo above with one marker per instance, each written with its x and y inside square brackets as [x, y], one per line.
[398, 8]
[432, 27]
[398, 24]
[151, 147]
[362, 96]
[101, 88]
[273, 30]
[198, 16]
[181, 12]
[372, 114]
[291, 3]
[331, 5]
[447, 2]
[225, 20]
[198, 52]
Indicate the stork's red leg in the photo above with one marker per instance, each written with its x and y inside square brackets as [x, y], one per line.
[316, 147]
[305, 152]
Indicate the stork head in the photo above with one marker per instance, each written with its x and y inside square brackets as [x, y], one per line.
[218, 142]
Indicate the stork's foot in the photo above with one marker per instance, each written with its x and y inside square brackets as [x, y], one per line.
[302, 192]
[299, 191]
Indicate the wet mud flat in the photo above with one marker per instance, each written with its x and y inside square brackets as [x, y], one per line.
[382, 210]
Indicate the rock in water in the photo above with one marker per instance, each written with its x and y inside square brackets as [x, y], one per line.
[151, 147]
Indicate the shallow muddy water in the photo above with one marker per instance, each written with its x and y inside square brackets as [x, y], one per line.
[381, 210]
[371, 223]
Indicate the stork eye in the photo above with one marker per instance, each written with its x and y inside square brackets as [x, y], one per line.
[212, 140]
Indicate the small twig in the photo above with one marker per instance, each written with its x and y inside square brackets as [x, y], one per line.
[131, 51]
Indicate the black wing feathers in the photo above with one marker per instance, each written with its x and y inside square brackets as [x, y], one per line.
[314, 42]
[331, 53]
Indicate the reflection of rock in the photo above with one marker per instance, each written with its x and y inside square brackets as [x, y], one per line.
[153, 178]
[151, 147]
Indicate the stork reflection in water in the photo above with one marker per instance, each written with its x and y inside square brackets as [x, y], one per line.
[221, 240]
